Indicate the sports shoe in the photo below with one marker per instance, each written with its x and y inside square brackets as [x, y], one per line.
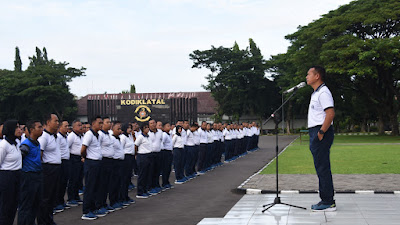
[89, 216]
[125, 203]
[79, 201]
[116, 206]
[66, 206]
[181, 181]
[110, 208]
[59, 208]
[131, 201]
[158, 189]
[72, 203]
[171, 186]
[320, 207]
[144, 195]
[80, 192]
[99, 213]
[153, 191]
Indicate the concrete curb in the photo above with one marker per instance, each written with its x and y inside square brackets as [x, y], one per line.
[251, 191]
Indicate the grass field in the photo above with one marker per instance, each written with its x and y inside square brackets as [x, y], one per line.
[349, 155]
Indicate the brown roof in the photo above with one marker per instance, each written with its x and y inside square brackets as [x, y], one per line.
[205, 102]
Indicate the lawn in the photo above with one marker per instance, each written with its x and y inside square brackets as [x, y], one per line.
[349, 155]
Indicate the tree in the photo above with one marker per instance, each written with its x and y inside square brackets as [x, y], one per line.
[17, 62]
[237, 80]
[358, 44]
[39, 90]
[133, 88]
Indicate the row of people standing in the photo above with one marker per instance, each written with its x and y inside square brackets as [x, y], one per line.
[50, 162]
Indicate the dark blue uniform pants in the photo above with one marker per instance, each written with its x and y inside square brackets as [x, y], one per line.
[143, 162]
[92, 183]
[166, 156]
[75, 169]
[51, 180]
[321, 151]
[179, 154]
[30, 196]
[9, 188]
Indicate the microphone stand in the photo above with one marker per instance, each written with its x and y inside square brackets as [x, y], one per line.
[277, 120]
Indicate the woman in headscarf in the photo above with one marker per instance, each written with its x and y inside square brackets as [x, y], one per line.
[10, 166]
[178, 155]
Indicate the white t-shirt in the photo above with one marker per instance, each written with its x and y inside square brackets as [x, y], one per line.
[62, 141]
[177, 141]
[196, 137]
[203, 136]
[127, 144]
[74, 143]
[227, 134]
[221, 136]
[92, 142]
[210, 138]
[167, 141]
[321, 99]
[106, 143]
[189, 138]
[119, 152]
[215, 135]
[184, 136]
[156, 140]
[144, 144]
[10, 156]
[50, 148]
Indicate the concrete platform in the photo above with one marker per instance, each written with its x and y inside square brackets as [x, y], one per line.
[352, 209]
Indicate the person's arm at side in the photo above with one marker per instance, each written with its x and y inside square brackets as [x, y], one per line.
[330, 114]
[83, 152]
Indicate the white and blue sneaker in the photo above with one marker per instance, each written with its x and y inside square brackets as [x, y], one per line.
[320, 207]
[89, 216]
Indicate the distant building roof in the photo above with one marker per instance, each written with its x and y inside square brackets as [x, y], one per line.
[205, 102]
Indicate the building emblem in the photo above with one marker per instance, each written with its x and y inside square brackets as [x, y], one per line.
[142, 113]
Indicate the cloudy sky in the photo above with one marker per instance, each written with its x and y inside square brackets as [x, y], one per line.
[146, 42]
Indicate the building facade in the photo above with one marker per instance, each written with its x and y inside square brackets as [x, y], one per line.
[141, 107]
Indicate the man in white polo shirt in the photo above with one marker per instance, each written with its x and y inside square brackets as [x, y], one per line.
[155, 136]
[75, 144]
[51, 165]
[320, 120]
[91, 153]
[107, 165]
[203, 148]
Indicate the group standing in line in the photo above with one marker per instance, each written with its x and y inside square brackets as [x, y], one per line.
[42, 161]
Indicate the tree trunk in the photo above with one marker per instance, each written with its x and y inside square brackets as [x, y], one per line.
[288, 126]
[395, 124]
[364, 125]
[381, 125]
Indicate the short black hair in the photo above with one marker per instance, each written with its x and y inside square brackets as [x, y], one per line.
[47, 117]
[194, 125]
[31, 124]
[144, 125]
[165, 124]
[75, 121]
[94, 119]
[321, 71]
[115, 123]
[105, 117]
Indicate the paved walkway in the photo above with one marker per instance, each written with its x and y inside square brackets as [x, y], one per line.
[352, 209]
[209, 195]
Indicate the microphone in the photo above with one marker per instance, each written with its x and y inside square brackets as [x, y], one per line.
[301, 85]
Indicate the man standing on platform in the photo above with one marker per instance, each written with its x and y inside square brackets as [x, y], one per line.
[320, 120]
